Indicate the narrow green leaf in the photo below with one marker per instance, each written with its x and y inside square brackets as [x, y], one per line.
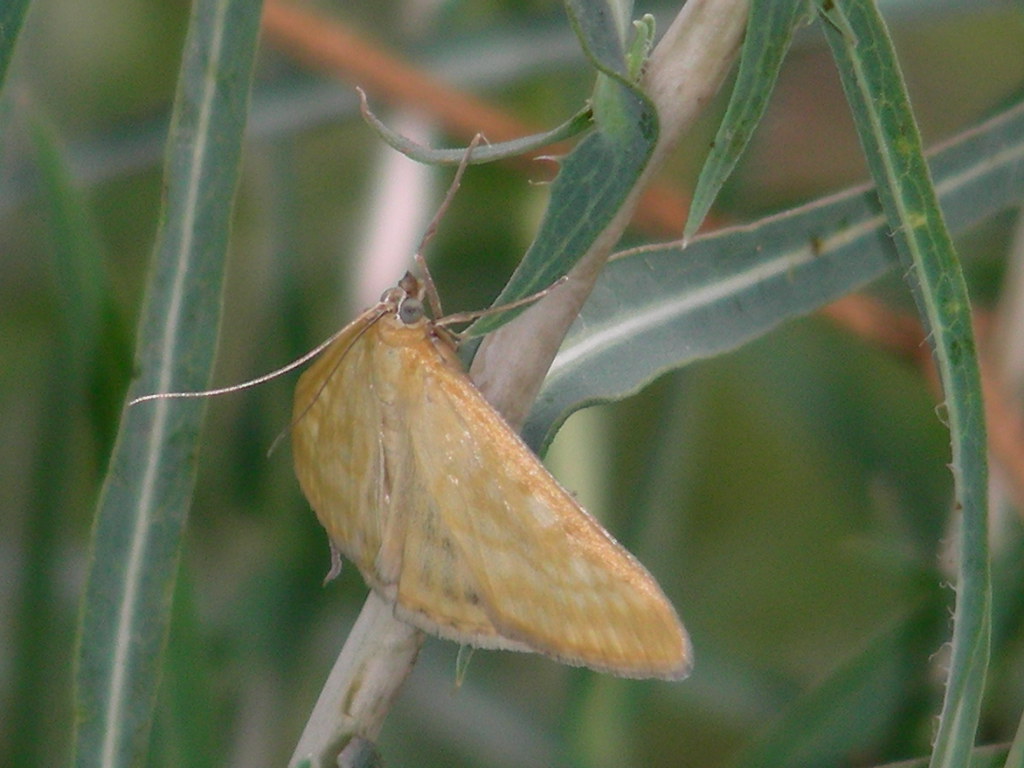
[145, 498]
[659, 309]
[12, 16]
[597, 175]
[83, 300]
[769, 32]
[101, 352]
[79, 273]
[484, 153]
[874, 88]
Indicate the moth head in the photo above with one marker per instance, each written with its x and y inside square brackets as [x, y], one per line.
[405, 299]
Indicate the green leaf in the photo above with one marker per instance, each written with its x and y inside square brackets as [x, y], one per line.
[874, 88]
[483, 153]
[77, 370]
[99, 358]
[596, 176]
[600, 29]
[147, 491]
[12, 16]
[770, 29]
[659, 309]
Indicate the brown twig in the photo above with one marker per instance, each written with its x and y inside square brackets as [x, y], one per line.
[325, 44]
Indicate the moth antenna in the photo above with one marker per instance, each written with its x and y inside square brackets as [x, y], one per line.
[381, 311]
[245, 384]
[432, 295]
[466, 317]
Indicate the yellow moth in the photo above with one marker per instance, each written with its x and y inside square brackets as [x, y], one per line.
[450, 517]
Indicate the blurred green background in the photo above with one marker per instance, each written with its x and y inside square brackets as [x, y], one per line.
[792, 498]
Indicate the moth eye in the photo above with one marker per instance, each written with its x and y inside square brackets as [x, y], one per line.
[392, 296]
[410, 310]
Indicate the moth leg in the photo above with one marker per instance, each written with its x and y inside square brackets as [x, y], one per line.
[335, 564]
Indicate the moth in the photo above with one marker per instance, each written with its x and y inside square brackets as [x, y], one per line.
[451, 518]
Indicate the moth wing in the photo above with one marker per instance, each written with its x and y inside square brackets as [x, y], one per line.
[337, 444]
[419, 566]
[436, 589]
[355, 464]
[545, 573]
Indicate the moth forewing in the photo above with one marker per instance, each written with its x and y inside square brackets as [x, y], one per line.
[336, 445]
[448, 514]
[547, 573]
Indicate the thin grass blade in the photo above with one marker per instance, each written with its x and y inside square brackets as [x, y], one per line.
[146, 495]
[12, 16]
